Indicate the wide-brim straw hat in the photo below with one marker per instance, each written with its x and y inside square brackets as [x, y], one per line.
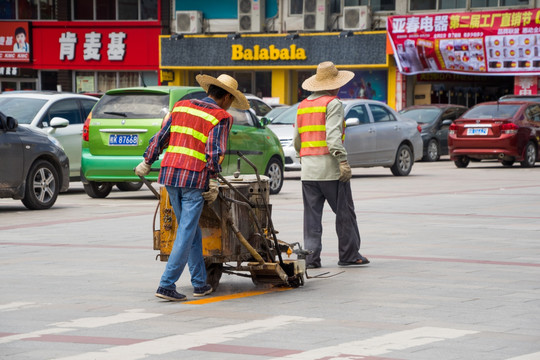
[327, 77]
[227, 83]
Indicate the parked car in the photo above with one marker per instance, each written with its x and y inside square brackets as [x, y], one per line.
[507, 131]
[435, 120]
[58, 114]
[535, 98]
[272, 114]
[375, 135]
[260, 106]
[34, 167]
[119, 129]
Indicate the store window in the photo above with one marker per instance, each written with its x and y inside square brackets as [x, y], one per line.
[376, 5]
[496, 3]
[437, 4]
[100, 82]
[27, 9]
[107, 9]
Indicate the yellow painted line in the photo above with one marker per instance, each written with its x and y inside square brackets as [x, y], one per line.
[214, 299]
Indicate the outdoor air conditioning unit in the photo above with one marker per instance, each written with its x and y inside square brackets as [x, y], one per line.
[189, 22]
[251, 15]
[315, 15]
[356, 18]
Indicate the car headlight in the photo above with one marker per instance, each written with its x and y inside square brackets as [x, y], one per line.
[286, 142]
[55, 141]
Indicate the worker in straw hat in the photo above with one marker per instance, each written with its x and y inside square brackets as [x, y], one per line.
[325, 175]
[195, 136]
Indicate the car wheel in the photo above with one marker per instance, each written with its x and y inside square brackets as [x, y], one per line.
[462, 162]
[42, 186]
[507, 163]
[274, 171]
[129, 186]
[404, 161]
[432, 151]
[530, 155]
[98, 190]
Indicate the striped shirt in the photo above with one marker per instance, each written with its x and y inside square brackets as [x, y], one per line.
[215, 148]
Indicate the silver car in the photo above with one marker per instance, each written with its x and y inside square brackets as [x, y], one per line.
[60, 115]
[375, 135]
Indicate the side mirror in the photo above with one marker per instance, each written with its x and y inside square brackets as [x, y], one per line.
[8, 123]
[264, 121]
[58, 122]
[447, 122]
[352, 121]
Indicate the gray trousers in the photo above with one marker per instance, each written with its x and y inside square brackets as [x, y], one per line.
[339, 197]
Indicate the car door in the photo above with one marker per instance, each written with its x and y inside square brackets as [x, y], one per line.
[360, 139]
[12, 158]
[388, 133]
[248, 137]
[71, 136]
[533, 115]
[442, 130]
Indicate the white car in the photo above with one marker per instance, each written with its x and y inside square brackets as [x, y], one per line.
[61, 115]
[260, 107]
[375, 135]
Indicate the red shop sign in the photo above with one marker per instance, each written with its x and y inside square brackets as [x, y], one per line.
[97, 46]
[14, 42]
[484, 43]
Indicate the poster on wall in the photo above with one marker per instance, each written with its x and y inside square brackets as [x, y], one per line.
[368, 84]
[490, 43]
[14, 42]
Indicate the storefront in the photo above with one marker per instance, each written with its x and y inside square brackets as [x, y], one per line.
[467, 58]
[81, 56]
[275, 65]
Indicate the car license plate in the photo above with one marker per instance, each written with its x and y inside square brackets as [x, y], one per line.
[477, 131]
[123, 140]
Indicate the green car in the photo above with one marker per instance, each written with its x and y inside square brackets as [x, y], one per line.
[117, 132]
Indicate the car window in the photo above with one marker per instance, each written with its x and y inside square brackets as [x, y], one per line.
[287, 117]
[87, 106]
[241, 117]
[194, 95]
[132, 105]
[359, 112]
[67, 109]
[492, 111]
[380, 113]
[24, 110]
[533, 113]
[422, 115]
[260, 108]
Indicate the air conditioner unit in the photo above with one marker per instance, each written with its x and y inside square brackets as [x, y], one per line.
[251, 15]
[315, 15]
[189, 22]
[356, 18]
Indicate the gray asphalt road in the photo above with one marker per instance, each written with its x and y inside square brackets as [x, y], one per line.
[455, 274]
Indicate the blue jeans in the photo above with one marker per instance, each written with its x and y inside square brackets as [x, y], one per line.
[187, 204]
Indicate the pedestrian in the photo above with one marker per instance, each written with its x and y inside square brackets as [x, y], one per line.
[326, 174]
[195, 136]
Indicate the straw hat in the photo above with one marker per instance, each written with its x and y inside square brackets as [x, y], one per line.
[328, 77]
[227, 83]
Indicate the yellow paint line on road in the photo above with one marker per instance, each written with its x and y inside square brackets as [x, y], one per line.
[214, 299]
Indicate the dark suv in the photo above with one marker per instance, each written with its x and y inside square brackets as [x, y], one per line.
[34, 167]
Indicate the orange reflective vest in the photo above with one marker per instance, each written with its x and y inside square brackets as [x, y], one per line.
[311, 122]
[190, 127]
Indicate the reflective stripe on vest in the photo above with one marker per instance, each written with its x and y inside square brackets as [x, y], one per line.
[311, 121]
[189, 131]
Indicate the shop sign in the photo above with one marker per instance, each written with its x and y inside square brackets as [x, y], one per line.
[9, 71]
[14, 42]
[96, 47]
[526, 85]
[485, 43]
[271, 53]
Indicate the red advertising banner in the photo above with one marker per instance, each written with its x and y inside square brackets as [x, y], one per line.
[96, 46]
[14, 42]
[481, 43]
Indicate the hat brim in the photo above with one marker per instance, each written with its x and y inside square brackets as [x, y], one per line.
[343, 77]
[240, 101]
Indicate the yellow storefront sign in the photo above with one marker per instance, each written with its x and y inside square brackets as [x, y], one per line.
[271, 53]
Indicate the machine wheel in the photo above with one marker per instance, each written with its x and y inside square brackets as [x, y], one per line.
[432, 151]
[274, 171]
[404, 161]
[462, 162]
[507, 163]
[530, 155]
[213, 274]
[129, 186]
[98, 190]
[42, 186]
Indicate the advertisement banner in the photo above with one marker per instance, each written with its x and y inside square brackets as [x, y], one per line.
[14, 42]
[482, 43]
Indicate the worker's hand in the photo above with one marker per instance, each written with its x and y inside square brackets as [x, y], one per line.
[143, 169]
[345, 173]
[211, 195]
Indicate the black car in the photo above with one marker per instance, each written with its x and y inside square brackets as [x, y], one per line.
[33, 165]
[434, 120]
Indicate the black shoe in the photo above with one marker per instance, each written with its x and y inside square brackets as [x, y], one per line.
[203, 290]
[313, 266]
[171, 295]
[361, 261]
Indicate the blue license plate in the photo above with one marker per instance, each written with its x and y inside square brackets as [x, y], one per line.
[123, 140]
[477, 131]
